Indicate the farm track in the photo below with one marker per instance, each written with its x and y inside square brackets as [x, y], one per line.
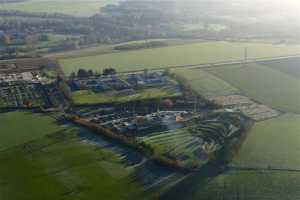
[216, 64]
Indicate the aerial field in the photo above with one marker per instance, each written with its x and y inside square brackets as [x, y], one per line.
[273, 143]
[204, 83]
[68, 7]
[196, 53]
[234, 185]
[59, 165]
[20, 127]
[112, 48]
[290, 66]
[263, 84]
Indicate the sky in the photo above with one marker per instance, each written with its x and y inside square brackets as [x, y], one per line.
[280, 5]
[263, 7]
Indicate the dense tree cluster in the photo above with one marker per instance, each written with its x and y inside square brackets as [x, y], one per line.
[82, 73]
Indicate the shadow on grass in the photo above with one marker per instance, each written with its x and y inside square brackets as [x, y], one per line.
[188, 188]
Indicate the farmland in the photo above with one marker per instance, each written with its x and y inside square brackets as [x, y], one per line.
[278, 90]
[50, 161]
[30, 127]
[73, 168]
[204, 83]
[291, 66]
[246, 185]
[196, 53]
[113, 48]
[272, 143]
[140, 100]
[78, 8]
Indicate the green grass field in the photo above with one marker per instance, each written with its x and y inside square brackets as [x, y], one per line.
[235, 185]
[205, 83]
[89, 97]
[290, 66]
[59, 165]
[195, 53]
[266, 85]
[272, 143]
[68, 7]
[20, 127]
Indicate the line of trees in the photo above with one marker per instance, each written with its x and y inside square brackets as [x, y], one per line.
[83, 73]
[132, 142]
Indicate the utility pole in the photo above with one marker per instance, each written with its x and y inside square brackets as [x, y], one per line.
[224, 190]
[195, 104]
[157, 106]
[245, 55]
[237, 193]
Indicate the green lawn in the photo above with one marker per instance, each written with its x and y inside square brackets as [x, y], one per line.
[196, 53]
[235, 185]
[205, 83]
[266, 85]
[69, 7]
[59, 165]
[20, 127]
[89, 97]
[273, 143]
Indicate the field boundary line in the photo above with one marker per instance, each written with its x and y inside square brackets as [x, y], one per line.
[263, 169]
[213, 64]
